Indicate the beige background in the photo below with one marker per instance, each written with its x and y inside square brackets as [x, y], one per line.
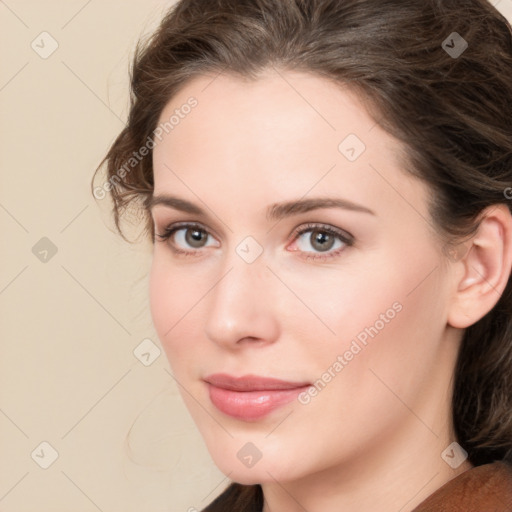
[71, 322]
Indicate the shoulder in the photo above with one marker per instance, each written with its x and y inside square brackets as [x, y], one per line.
[487, 487]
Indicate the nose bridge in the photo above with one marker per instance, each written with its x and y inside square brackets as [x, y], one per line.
[244, 270]
[241, 305]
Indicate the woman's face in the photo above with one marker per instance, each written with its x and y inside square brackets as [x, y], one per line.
[351, 314]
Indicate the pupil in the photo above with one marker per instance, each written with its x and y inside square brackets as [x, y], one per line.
[194, 236]
[321, 238]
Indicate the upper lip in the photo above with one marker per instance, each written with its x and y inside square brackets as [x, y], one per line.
[251, 383]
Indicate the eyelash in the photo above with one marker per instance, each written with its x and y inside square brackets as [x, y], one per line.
[346, 238]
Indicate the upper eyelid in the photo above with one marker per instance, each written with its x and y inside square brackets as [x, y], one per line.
[166, 226]
[309, 226]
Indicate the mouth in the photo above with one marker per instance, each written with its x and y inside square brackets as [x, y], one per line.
[251, 397]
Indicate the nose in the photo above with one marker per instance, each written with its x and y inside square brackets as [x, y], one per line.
[242, 307]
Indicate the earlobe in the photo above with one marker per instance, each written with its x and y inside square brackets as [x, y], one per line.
[486, 268]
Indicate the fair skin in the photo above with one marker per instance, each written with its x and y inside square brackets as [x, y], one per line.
[375, 433]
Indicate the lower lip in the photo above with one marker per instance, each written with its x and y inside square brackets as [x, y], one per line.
[251, 405]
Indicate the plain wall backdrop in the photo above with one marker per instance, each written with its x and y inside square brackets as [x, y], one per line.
[90, 416]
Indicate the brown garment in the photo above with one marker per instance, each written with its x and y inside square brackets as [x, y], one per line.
[486, 488]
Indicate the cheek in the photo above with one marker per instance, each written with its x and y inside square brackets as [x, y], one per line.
[390, 332]
[167, 304]
[159, 297]
[391, 312]
[175, 303]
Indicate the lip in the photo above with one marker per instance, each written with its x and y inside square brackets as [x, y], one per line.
[251, 397]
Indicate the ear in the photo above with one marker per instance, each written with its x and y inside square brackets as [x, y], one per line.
[483, 272]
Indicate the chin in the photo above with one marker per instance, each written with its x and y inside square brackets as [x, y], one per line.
[264, 470]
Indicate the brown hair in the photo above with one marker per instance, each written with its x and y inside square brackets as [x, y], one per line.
[453, 112]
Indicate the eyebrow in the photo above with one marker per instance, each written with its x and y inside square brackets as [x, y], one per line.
[275, 211]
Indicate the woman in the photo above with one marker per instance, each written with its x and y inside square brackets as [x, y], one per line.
[326, 184]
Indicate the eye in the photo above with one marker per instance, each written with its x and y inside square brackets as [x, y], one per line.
[323, 239]
[186, 236]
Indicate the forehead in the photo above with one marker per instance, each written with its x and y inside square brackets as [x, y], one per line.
[282, 135]
[273, 113]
